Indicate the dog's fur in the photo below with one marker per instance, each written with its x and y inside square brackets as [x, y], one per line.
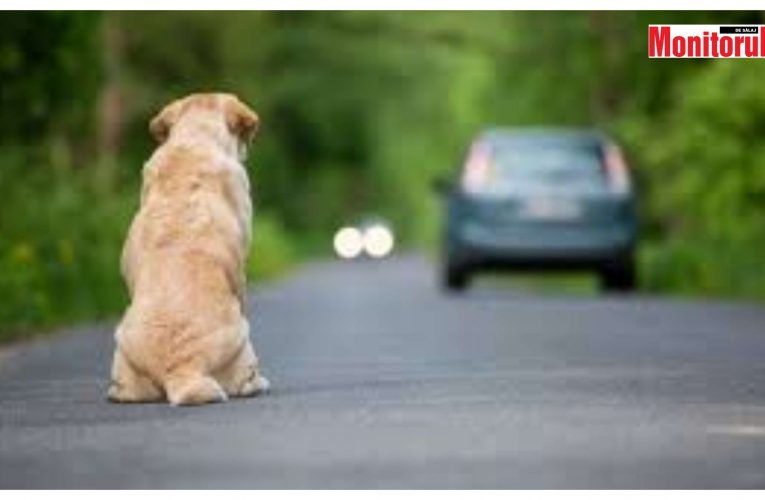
[185, 337]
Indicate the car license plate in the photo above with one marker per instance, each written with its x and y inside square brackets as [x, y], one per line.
[551, 209]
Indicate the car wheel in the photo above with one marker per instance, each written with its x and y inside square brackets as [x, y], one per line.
[455, 279]
[619, 276]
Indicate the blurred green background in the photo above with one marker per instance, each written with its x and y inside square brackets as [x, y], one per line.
[360, 111]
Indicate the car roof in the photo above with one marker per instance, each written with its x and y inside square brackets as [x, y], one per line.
[542, 135]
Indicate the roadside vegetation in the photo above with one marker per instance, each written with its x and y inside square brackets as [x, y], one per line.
[360, 111]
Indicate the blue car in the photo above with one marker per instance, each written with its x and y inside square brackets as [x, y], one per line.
[539, 199]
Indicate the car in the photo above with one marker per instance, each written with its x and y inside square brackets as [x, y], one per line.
[370, 236]
[540, 199]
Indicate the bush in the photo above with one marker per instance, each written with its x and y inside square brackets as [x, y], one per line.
[702, 268]
[704, 165]
[60, 247]
[272, 250]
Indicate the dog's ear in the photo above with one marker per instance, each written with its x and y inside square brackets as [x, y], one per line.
[160, 125]
[241, 120]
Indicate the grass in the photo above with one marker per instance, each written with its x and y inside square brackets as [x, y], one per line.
[583, 284]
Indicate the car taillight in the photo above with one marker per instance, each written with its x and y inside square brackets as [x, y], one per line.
[616, 169]
[478, 169]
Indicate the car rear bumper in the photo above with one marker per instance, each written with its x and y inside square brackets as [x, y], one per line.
[540, 246]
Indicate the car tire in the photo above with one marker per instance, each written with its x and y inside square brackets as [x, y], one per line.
[455, 279]
[619, 276]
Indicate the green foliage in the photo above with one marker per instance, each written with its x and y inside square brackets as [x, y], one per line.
[706, 167]
[49, 69]
[60, 244]
[274, 253]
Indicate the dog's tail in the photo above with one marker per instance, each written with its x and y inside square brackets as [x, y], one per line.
[196, 389]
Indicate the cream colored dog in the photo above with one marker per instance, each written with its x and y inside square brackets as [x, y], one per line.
[185, 336]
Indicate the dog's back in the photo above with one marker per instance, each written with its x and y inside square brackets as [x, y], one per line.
[184, 264]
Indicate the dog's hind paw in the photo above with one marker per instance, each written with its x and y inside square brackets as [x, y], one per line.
[255, 385]
[264, 383]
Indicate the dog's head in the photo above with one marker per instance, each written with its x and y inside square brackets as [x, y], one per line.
[217, 108]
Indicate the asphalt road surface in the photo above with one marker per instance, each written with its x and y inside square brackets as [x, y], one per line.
[381, 381]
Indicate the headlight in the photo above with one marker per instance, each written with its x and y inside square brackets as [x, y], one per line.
[349, 242]
[378, 241]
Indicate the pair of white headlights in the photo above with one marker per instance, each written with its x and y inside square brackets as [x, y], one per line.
[377, 241]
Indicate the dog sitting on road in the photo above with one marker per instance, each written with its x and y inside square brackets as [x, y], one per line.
[185, 336]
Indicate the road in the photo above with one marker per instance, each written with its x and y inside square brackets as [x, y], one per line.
[381, 381]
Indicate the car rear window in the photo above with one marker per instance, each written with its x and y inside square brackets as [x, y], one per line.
[548, 164]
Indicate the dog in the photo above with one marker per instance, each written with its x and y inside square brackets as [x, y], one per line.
[184, 337]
